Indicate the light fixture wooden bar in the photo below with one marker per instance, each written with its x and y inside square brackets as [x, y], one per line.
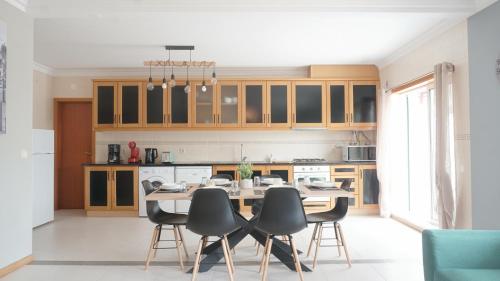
[170, 63]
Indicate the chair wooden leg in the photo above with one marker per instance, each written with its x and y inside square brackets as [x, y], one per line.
[337, 238]
[151, 245]
[226, 251]
[183, 241]
[312, 239]
[266, 259]
[298, 267]
[197, 260]
[177, 246]
[318, 244]
[344, 244]
[158, 237]
[258, 248]
[229, 253]
[264, 255]
[205, 242]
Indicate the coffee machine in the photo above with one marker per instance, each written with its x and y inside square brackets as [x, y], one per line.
[113, 154]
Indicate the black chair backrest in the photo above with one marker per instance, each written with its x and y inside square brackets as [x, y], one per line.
[270, 176]
[346, 184]
[341, 207]
[211, 213]
[152, 207]
[282, 212]
[222, 176]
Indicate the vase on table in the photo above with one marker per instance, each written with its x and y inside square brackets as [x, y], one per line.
[246, 183]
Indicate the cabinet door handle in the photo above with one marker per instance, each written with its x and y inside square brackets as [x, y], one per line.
[347, 117]
[293, 117]
[213, 117]
[164, 118]
[107, 175]
[218, 118]
[351, 118]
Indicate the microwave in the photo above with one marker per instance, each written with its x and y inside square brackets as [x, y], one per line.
[355, 153]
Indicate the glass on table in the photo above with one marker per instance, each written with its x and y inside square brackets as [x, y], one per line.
[183, 186]
[234, 187]
[256, 181]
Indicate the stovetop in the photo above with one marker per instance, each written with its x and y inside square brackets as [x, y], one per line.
[309, 160]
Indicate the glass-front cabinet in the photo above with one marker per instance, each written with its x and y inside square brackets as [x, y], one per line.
[117, 104]
[363, 103]
[155, 106]
[97, 192]
[228, 104]
[368, 186]
[308, 104]
[254, 104]
[104, 104]
[129, 104]
[179, 106]
[337, 98]
[204, 109]
[279, 102]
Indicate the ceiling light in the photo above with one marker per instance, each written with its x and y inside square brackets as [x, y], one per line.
[214, 78]
[150, 85]
[203, 84]
[164, 82]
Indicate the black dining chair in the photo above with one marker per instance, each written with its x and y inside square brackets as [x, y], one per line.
[211, 214]
[282, 214]
[235, 202]
[334, 216]
[159, 217]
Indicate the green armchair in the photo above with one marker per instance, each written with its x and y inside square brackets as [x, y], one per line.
[461, 255]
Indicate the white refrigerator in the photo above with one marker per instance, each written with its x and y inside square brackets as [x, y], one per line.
[43, 176]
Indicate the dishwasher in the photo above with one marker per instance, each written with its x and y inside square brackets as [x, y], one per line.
[190, 175]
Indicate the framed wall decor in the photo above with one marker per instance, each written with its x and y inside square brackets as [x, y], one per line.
[3, 76]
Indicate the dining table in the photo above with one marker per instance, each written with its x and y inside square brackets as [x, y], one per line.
[281, 250]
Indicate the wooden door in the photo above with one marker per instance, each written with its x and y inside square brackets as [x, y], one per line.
[254, 104]
[279, 104]
[73, 127]
[337, 101]
[363, 103]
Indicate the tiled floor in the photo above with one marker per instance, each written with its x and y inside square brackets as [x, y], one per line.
[75, 247]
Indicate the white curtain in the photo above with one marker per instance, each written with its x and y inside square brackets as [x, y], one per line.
[391, 151]
[444, 153]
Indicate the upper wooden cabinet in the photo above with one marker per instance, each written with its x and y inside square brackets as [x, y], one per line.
[155, 106]
[179, 106]
[338, 107]
[363, 103]
[279, 104]
[228, 102]
[254, 104]
[117, 104]
[204, 106]
[308, 104]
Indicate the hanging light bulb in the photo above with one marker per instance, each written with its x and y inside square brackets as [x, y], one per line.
[214, 78]
[150, 84]
[187, 89]
[203, 84]
[172, 76]
[164, 82]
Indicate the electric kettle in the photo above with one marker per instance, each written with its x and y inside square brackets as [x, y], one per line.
[151, 155]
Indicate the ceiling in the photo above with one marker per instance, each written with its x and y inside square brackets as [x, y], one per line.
[73, 34]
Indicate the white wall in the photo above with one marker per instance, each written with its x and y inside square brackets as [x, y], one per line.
[450, 46]
[484, 50]
[43, 112]
[15, 171]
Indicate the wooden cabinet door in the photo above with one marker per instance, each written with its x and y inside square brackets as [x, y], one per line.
[254, 104]
[155, 106]
[226, 170]
[259, 170]
[179, 107]
[228, 104]
[284, 171]
[97, 188]
[129, 104]
[337, 99]
[204, 106]
[308, 104]
[104, 105]
[368, 186]
[363, 103]
[124, 186]
[353, 186]
[343, 170]
[279, 104]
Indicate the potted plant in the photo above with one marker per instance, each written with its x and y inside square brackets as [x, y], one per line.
[245, 171]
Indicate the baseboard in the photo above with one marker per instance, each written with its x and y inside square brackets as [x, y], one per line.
[15, 265]
[112, 213]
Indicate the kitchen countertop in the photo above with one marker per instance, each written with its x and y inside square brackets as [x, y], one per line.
[212, 163]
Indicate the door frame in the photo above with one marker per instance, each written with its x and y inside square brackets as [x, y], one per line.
[58, 102]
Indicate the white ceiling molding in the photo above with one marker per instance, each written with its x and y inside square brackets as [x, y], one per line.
[20, 4]
[99, 8]
[43, 68]
[180, 73]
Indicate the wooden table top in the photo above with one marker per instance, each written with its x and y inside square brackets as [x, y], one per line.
[248, 193]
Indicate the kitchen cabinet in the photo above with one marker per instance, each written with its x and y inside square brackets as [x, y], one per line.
[179, 107]
[338, 108]
[117, 104]
[254, 104]
[226, 170]
[363, 103]
[104, 104]
[279, 103]
[228, 103]
[111, 188]
[340, 173]
[129, 104]
[368, 186]
[308, 104]
[155, 106]
[204, 106]
[284, 171]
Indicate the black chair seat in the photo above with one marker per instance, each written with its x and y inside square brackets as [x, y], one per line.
[324, 217]
[169, 218]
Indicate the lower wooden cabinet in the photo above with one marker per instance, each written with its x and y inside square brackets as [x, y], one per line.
[111, 188]
[364, 184]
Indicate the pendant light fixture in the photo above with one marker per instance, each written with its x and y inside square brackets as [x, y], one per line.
[203, 84]
[172, 76]
[214, 77]
[150, 84]
[187, 89]
[164, 82]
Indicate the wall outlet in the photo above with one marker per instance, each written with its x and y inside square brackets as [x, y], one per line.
[181, 150]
